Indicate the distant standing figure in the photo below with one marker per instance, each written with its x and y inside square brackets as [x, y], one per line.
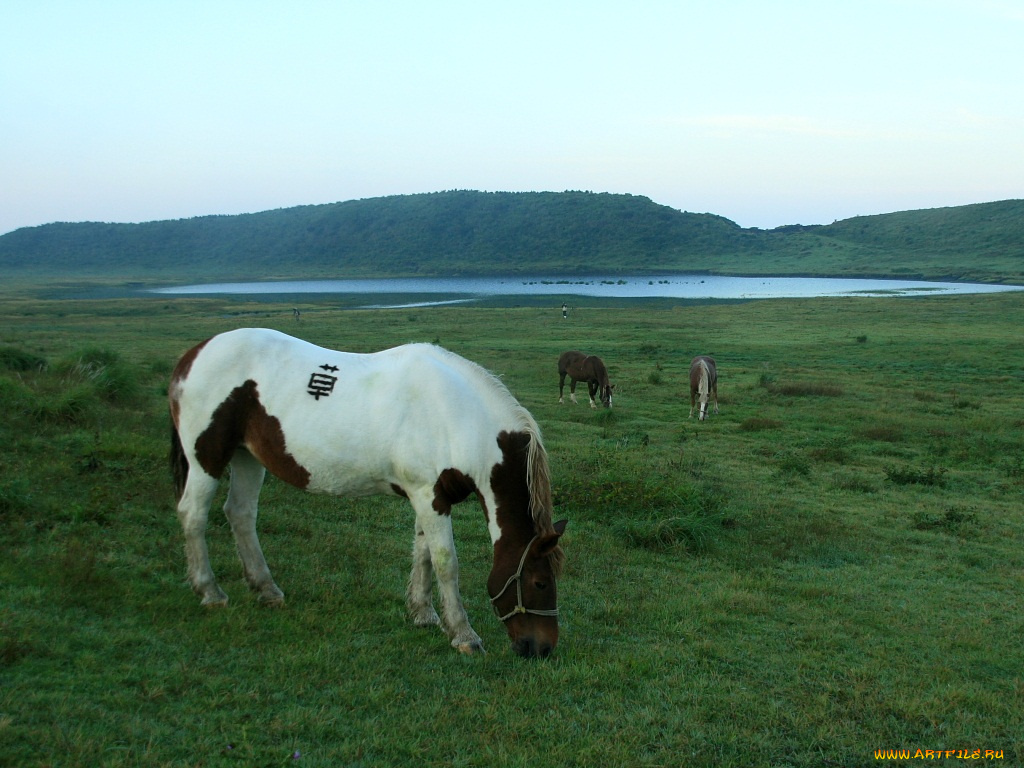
[296, 314]
[703, 382]
[565, 311]
[579, 366]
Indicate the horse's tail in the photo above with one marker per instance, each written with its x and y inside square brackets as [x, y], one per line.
[178, 462]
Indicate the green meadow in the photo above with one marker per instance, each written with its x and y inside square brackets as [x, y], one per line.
[829, 571]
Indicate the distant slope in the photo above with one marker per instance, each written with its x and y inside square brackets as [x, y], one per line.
[481, 233]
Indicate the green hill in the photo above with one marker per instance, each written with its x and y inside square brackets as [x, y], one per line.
[488, 233]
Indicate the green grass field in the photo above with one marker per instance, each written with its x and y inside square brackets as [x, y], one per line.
[832, 566]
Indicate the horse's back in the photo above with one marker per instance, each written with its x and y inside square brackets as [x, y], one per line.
[359, 423]
[570, 359]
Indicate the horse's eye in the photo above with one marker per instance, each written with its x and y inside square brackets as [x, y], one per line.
[540, 585]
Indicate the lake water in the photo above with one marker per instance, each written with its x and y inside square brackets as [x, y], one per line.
[468, 289]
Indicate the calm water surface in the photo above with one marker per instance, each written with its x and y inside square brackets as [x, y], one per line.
[468, 289]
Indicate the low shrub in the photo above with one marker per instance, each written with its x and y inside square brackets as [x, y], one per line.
[808, 389]
[886, 433]
[935, 476]
[758, 424]
[956, 520]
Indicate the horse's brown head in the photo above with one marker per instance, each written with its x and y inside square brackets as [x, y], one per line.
[606, 395]
[524, 595]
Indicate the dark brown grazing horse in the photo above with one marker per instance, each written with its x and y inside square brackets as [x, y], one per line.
[579, 366]
[703, 381]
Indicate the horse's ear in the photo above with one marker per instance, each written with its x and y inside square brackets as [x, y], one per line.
[546, 545]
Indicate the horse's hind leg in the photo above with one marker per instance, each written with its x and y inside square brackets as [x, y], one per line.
[592, 390]
[561, 385]
[241, 507]
[193, 512]
[421, 580]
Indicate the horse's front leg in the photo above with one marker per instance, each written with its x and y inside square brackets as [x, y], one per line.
[693, 401]
[440, 542]
[561, 387]
[572, 390]
[592, 390]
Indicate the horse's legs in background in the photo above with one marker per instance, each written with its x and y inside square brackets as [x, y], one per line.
[592, 390]
[693, 401]
[714, 392]
[572, 390]
[243, 498]
[193, 512]
[421, 581]
[561, 385]
[440, 542]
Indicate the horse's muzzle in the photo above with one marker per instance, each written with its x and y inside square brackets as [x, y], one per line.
[531, 648]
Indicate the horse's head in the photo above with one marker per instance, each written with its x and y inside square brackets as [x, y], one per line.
[524, 596]
[606, 395]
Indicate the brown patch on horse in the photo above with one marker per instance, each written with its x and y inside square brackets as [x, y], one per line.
[452, 486]
[535, 588]
[178, 375]
[510, 486]
[510, 482]
[241, 421]
[399, 491]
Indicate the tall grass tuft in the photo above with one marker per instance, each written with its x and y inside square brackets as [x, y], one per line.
[15, 499]
[689, 521]
[17, 359]
[70, 406]
[103, 369]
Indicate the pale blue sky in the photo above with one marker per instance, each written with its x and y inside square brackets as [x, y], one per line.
[767, 113]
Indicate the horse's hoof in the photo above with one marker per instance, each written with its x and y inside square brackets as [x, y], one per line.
[270, 595]
[213, 596]
[471, 649]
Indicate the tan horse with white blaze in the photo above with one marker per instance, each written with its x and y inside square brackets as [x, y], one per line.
[703, 383]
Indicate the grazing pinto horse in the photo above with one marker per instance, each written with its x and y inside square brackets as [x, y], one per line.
[579, 366]
[703, 381]
[416, 421]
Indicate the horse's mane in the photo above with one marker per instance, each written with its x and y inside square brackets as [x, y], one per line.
[538, 473]
[705, 377]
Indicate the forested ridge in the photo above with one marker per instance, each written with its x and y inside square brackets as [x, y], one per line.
[491, 233]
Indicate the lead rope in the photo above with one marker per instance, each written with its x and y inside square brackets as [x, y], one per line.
[517, 578]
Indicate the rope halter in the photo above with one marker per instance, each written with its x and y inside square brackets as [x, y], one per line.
[517, 577]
